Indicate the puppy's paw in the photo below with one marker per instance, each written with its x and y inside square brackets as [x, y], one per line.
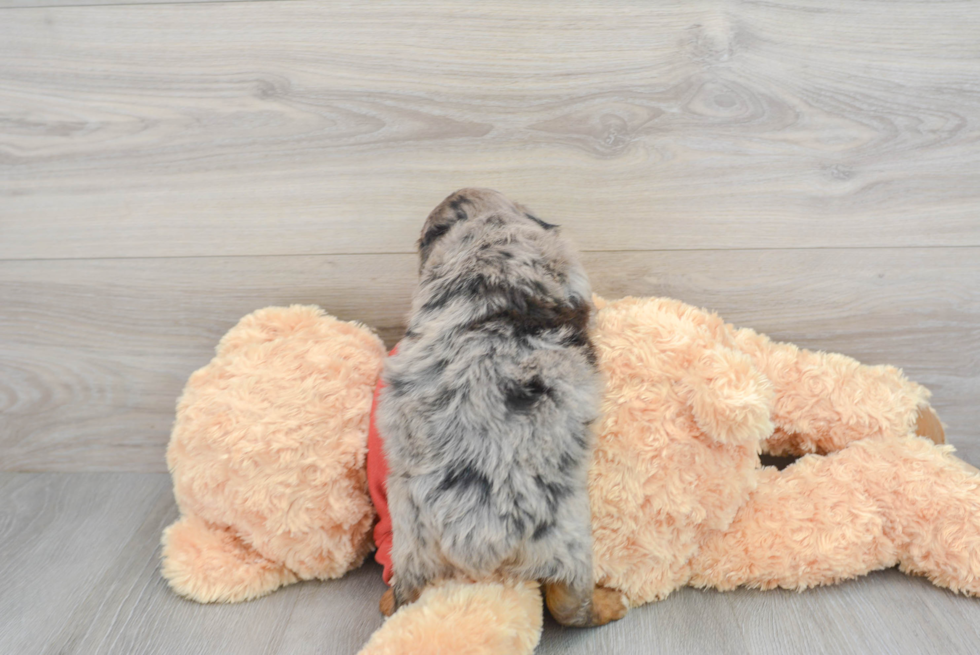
[387, 604]
[608, 605]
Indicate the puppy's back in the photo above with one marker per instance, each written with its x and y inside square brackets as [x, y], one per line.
[488, 402]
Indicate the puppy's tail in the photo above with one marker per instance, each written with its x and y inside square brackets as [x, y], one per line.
[484, 618]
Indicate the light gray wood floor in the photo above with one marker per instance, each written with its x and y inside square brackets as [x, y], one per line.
[94, 538]
[807, 168]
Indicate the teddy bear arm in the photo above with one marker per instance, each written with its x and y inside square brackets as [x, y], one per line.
[824, 401]
[869, 506]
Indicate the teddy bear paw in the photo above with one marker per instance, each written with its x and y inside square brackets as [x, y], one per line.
[928, 425]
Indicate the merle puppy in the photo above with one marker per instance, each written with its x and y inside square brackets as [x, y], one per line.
[486, 411]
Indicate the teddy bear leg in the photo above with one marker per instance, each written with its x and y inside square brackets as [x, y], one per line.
[485, 618]
[824, 401]
[931, 502]
[210, 564]
[810, 524]
[869, 506]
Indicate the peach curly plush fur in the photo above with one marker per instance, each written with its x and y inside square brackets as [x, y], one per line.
[268, 457]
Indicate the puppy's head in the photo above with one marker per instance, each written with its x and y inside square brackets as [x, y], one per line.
[479, 209]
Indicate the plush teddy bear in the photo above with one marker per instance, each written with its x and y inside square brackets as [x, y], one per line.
[269, 447]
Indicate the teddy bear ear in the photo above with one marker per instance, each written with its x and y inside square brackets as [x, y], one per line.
[598, 301]
[730, 399]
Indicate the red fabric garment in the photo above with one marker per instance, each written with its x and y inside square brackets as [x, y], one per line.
[377, 476]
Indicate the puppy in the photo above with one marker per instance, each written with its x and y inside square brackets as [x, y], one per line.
[486, 409]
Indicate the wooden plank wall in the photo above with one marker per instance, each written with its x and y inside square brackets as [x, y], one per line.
[806, 168]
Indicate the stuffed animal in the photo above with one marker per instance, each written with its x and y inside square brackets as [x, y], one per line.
[269, 446]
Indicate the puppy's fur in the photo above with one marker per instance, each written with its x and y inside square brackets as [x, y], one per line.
[486, 410]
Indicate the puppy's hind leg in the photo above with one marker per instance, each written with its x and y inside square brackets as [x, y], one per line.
[387, 602]
[414, 562]
[574, 599]
[410, 578]
[405, 593]
[584, 606]
[569, 604]
[562, 548]
[608, 605]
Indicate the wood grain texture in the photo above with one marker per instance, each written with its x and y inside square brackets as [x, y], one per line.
[132, 610]
[47, 4]
[59, 536]
[80, 556]
[311, 128]
[80, 559]
[885, 613]
[93, 354]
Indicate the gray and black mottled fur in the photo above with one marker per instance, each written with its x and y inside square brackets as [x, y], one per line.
[486, 411]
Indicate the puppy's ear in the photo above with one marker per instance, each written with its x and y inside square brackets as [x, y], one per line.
[543, 224]
[428, 239]
[450, 211]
